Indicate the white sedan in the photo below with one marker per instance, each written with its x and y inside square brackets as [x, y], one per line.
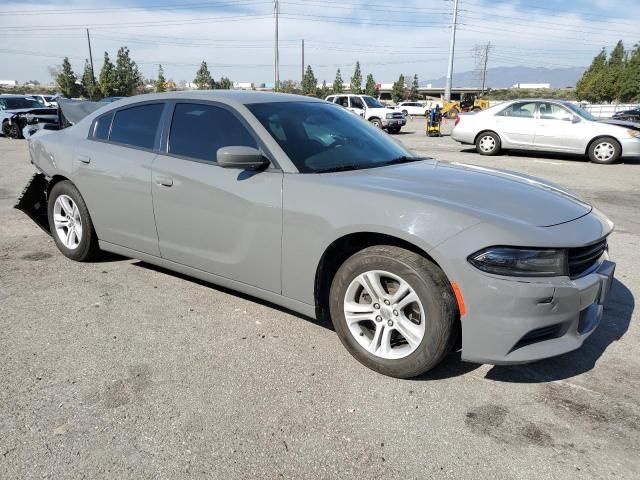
[547, 125]
[412, 108]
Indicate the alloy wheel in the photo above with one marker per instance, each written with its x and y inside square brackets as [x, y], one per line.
[384, 314]
[67, 222]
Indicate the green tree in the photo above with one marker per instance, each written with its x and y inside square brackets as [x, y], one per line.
[413, 93]
[323, 92]
[398, 89]
[161, 82]
[630, 80]
[67, 80]
[338, 83]
[89, 86]
[356, 80]
[128, 78]
[203, 80]
[309, 82]
[289, 86]
[224, 84]
[107, 82]
[370, 87]
[613, 73]
[590, 86]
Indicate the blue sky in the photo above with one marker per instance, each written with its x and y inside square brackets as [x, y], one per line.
[236, 36]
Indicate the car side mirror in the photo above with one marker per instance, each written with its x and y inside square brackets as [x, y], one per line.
[244, 158]
[575, 119]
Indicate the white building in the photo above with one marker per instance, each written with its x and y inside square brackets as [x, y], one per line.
[532, 86]
[8, 83]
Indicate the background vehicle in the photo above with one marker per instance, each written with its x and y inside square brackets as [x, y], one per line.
[630, 115]
[18, 111]
[46, 100]
[468, 102]
[371, 110]
[297, 202]
[547, 125]
[412, 108]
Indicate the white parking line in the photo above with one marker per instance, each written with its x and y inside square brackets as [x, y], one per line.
[548, 162]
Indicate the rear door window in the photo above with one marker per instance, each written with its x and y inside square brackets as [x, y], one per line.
[198, 131]
[137, 126]
[101, 127]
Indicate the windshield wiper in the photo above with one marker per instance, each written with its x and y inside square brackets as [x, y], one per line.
[403, 159]
[341, 168]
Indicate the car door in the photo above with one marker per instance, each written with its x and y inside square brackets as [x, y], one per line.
[556, 129]
[112, 170]
[357, 106]
[516, 124]
[227, 222]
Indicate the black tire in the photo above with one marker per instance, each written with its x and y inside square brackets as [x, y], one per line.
[452, 114]
[88, 245]
[488, 143]
[393, 130]
[376, 122]
[11, 131]
[605, 151]
[431, 286]
[405, 113]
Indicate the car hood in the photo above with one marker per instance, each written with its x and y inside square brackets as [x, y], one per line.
[34, 110]
[622, 123]
[486, 191]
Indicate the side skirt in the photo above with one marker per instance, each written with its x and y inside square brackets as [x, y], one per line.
[295, 305]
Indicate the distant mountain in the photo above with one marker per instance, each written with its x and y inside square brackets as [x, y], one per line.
[503, 77]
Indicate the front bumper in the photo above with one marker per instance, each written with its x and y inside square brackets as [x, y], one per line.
[519, 321]
[394, 122]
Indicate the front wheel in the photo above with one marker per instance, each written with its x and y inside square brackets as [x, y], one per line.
[393, 310]
[605, 151]
[393, 130]
[70, 223]
[488, 143]
[376, 122]
[11, 130]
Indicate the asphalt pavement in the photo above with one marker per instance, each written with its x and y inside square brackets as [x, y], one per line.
[118, 369]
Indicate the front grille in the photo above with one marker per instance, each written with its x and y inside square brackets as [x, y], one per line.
[398, 115]
[581, 259]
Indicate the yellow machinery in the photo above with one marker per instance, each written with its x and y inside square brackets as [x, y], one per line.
[467, 102]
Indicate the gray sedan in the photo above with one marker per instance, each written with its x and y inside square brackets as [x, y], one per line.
[298, 202]
[550, 126]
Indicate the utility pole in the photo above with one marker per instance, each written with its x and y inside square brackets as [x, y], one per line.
[93, 73]
[452, 46]
[302, 60]
[484, 66]
[277, 54]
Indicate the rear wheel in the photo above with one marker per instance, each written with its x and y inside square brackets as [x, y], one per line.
[393, 310]
[605, 151]
[70, 223]
[488, 143]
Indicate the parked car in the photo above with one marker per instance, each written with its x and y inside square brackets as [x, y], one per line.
[412, 108]
[547, 125]
[298, 202]
[46, 100]
[18, 111]
[371, 110]
[630, 115]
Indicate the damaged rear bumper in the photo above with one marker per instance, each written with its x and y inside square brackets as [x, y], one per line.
[33, 200]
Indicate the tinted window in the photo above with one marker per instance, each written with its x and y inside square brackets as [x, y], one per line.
[520, 110]
[357, 103]
[321, 137]
[342, 101]
[15, 103]
[198, 131]
[137, 126]
[101, 127]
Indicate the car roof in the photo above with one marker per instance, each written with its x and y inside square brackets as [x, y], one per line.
[237, 97]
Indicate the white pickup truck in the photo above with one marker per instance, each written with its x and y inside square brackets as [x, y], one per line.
[371, 110]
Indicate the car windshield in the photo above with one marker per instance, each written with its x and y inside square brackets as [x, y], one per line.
[321, 137]
[372, 102]
[19, 102]
[581, 112]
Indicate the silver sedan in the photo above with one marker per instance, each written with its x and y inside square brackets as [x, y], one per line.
[547, 125]
[298, 202]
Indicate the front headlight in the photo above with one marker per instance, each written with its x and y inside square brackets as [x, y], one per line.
[634, 133]
[521, 262]
[389, 115]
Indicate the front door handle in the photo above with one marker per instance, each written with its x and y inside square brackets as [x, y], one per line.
[84, 158]
[164, 181]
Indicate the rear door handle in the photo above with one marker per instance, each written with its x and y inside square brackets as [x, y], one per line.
[164, 181]
[84, 158]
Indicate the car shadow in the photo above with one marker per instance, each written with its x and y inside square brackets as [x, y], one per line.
[617, 315]
[321, 323]
[550, 156]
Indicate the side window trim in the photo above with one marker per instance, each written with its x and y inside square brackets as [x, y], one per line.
[166, 121]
